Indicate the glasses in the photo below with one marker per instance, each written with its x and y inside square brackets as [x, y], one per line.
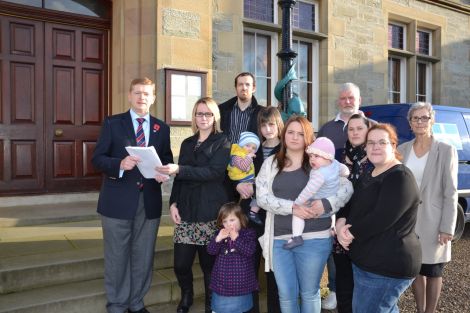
[205, 114]
[422, 119]
[380, 143]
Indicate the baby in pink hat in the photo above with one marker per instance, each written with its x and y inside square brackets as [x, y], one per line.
[323, 183]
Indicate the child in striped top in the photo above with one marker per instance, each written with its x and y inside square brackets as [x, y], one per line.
[323, 183]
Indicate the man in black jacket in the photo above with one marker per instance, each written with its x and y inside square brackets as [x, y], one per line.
[237, 115]
[129, 204]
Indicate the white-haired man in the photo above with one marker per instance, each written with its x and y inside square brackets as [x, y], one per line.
[349, 100]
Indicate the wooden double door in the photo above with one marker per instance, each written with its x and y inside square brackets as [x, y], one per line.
[54, 95]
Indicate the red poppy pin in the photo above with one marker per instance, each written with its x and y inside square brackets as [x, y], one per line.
[156, 127]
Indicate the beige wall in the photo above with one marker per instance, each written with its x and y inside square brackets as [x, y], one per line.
[359, 52]
[133, 47]
[207, 35]
[149, 36]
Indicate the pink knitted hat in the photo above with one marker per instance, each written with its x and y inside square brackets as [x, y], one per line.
[322, 146]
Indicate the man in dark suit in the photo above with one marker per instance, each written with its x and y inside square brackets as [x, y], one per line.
[130, 205]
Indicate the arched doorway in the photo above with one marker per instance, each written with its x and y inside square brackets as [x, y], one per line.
[54, 89]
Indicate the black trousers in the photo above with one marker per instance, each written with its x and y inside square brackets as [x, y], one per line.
[344, 282]
[272, 292]
[184, 255]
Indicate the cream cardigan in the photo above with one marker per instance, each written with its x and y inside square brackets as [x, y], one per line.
[273, 205]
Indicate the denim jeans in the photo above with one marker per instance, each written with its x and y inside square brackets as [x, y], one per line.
[298, 272]
[376, 293]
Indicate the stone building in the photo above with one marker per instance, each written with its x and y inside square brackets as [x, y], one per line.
[75, 60]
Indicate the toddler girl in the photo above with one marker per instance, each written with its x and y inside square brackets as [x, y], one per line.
[233, 276]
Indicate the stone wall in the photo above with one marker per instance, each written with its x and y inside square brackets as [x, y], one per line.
[227, 47]
[359, 53]
[207, 35]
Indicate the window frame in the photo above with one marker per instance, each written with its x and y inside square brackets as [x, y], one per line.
[313, 111]
[273, 57]
[428, 94]
[169, 72]
[404, 26]
[403, 78]
[275, 14]
[430, 41]
[317, 9]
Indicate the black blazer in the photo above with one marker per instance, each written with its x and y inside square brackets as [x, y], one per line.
[119, 196]
[198, 187]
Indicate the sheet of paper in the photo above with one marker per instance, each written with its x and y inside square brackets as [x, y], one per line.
[149, 160]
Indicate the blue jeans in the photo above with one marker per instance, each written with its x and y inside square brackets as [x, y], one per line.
[376, 293]
[298, 272]
[233, 304]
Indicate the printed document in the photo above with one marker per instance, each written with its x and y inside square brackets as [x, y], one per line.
[149, 159]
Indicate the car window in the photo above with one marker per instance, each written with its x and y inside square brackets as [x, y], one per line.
[451, 127]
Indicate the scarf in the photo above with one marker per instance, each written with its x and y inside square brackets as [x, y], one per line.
[357, 156]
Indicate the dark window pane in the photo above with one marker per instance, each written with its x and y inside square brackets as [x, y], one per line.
[422, 42]
[34, 3]
[83, 7]
[395, 36]
[394, 83]
[262, 10]
[303, 16]
[421, 69]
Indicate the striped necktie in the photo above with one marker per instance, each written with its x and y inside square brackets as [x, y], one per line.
[140, 136]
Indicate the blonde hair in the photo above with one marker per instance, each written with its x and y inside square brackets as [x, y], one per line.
[213, 107]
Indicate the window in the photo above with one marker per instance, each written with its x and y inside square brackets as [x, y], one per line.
[423, 42]
[404, 62]
[257, 60]
[396, 36]
[303, 16]
[396, 80]
[183, 89]
[304, 86]
[82, 7]
[423, 81]
[261, 10]
[260, 48]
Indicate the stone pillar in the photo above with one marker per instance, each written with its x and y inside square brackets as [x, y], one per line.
[133, 47]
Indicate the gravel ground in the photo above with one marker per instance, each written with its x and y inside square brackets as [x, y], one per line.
[455, 295]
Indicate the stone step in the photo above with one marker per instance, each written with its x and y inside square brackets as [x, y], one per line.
[89, 296]
[28, 200]
[15, 211]
[73, 254]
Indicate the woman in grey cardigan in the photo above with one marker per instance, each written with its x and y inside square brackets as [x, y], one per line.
[434, 165]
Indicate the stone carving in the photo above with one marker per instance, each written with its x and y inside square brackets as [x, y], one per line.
[181, 23]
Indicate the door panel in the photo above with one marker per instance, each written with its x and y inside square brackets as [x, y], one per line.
[53, 96]
[76, 97]
[22, 105]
